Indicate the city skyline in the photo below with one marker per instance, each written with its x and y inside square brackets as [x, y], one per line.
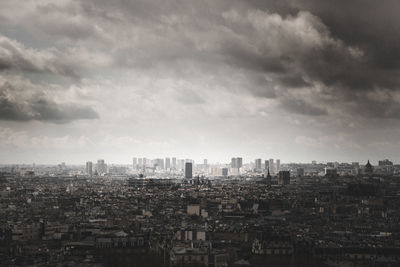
[295, 80]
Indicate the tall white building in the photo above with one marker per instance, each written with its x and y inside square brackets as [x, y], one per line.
[89, 168]
[101, 167]
[271, 166]
[258, 164]
[278, 165]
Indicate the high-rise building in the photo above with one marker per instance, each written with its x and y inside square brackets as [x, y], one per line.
[89, 168]
[258, 164]
[134, 163]
[205, 162]
[101, 167]
[284, 177]
[271, 166]
[167, 163]
[266, 165]
[278, 165]
[174, 163]
[188, 170]
[236, 163]
[224, 172]
[181, 164]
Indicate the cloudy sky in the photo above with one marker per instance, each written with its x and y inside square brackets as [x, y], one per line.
[296, 80]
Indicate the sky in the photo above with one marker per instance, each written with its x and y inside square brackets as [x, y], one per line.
[297, 80]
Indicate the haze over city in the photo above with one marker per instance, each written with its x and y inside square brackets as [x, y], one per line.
[295, 80]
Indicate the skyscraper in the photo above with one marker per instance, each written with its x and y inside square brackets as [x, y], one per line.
[174, 163]
[205, 162]
[188, 170]
[278, 165]
[101, 167]
[181, 164]
[266, 163]
[236, 163]
[167, 163]
[89, 168]
[271, 166]
[258, 164]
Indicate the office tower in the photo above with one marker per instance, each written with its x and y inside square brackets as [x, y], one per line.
[266, 163]
[101, 167]
[258, 164]
[239, 162]
[284, 177]
[89, 168]
[134, 163]
[278, 165]
[174, 163]
[181, 164]
[271, 166]
[188, 170]
[300, 172]
[205, 162]
[236, 163]
[167, 163]
[224, 172]
[233, 163]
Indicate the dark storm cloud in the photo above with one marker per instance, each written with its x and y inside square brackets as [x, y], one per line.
[16, 57]
[369, 25]
[346, 46]
[19, 107]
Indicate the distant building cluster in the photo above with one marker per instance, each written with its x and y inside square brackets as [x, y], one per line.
[174, 212]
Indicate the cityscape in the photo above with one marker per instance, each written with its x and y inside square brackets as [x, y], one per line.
[199, 133]
[177, 212]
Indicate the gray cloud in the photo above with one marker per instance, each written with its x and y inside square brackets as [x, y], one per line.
[17, 107]
[161, 63]
[15, 56]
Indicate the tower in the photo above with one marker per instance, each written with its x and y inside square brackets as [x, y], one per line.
[258, 165]
[89, 168]
[271, 165]
[269, 179]
[188, 170]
